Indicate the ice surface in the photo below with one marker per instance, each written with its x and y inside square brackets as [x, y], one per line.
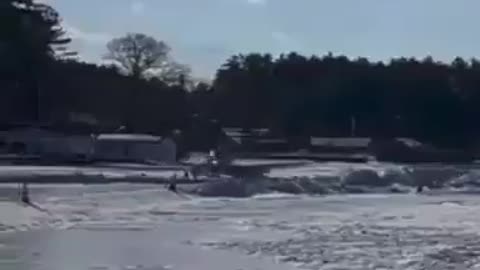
[127, 226]
[266, 231]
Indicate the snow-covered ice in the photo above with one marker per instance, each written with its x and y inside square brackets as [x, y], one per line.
[139, 226]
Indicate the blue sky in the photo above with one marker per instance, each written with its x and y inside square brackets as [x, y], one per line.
[204, 33]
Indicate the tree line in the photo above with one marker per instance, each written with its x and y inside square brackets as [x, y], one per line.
[145, 90]
[301, 95]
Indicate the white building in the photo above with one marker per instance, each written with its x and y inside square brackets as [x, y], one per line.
[57, 146]
[134, 148]
[47, 144]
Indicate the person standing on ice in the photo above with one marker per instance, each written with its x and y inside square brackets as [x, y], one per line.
[420, 188]
[24, 195]
[172, 186]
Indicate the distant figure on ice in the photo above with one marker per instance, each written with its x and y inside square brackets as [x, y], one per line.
[172, 186]
[24, 195]
[424, 183]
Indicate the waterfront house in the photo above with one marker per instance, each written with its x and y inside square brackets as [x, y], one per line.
[46, 143]
[118, 147]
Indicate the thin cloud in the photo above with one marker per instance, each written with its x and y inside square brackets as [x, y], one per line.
[285, 42]
[280, 36]
[137, 8]
[257, 2]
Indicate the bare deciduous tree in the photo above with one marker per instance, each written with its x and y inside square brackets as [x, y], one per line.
[138, 53]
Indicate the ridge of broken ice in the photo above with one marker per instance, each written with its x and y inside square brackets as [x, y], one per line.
[319, 179]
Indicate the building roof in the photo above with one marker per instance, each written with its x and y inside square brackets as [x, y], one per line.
[56, 127]
[410, 142]
[240, 132]
[355, 141]
[272, 141]
[235, 132]
[24, 125]
[129, 137]
[340, 141]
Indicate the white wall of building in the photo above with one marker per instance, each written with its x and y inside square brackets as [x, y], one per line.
[135, 149]
[50, 144]
[67, 146]
[109, 147]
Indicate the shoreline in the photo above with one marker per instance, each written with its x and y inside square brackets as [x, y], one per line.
[110, 173]
[91, 179]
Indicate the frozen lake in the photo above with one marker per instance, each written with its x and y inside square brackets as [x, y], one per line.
[145, 227]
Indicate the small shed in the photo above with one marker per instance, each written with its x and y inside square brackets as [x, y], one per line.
[254, 140]
[339, 144]
[134, 148]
